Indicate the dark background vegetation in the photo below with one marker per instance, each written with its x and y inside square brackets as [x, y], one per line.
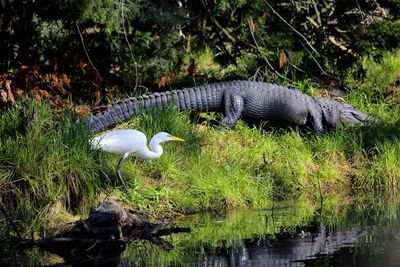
[90, 51]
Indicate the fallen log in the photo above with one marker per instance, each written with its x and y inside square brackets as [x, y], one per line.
[105, 234]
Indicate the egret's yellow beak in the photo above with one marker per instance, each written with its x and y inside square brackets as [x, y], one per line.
[176, 138]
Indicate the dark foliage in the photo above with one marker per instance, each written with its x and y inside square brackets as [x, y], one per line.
[107, 47]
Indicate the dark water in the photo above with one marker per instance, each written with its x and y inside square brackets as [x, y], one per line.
[352, 247]
[358, 234]
[359, 238]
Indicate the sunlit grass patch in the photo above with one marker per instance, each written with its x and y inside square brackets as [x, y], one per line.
[45, 159]
[377, 75]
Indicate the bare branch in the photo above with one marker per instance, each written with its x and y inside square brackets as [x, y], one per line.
[319, 65]
[287, 23]
[265, 58]
[129, 44]
[225, 31]
[87, 54]
[341, 45]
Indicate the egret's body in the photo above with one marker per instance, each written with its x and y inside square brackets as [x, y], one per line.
[127, 142]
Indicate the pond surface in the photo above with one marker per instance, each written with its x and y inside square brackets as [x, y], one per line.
[355, 244]
[287, 234]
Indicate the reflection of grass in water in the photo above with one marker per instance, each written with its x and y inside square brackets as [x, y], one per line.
[212, 232]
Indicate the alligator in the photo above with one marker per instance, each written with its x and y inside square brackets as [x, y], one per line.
[238, 99]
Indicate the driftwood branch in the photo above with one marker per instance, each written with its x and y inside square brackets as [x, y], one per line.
[105, 233]
[68, 241]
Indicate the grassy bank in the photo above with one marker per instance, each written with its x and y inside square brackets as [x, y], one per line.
[48, 171]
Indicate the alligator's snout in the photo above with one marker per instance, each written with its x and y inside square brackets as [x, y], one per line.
[351, 115]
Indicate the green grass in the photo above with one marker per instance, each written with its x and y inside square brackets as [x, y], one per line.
[375, 77]
[45, 161]
[47, 167]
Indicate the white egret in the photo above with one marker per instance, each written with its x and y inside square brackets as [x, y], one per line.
[126, 142]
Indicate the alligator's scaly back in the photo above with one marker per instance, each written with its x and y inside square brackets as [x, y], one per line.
[236, 99]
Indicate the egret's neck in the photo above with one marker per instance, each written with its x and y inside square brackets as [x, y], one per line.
[154, 152]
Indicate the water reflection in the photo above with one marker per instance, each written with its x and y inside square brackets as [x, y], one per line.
[359, 233]
[283, 250]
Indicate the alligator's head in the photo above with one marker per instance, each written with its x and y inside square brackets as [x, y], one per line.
[337, 113]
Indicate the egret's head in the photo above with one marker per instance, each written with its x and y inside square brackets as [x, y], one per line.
[164, 137]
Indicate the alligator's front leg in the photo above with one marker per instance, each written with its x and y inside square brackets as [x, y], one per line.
[234, 105]
[316, 124]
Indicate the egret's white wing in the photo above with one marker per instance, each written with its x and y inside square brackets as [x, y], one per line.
[120, 141]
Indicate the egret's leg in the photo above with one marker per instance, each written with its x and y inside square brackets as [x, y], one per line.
[118, 171]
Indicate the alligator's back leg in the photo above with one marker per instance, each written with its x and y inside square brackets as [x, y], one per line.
[234, 105]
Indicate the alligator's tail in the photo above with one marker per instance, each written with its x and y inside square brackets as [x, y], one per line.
[125, 109]
[200, 98]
